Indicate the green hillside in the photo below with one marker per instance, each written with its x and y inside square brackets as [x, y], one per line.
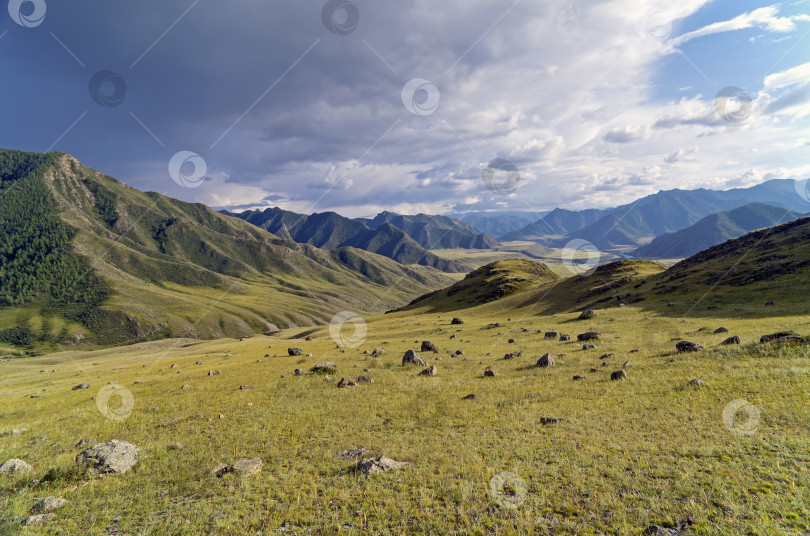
[86, 258]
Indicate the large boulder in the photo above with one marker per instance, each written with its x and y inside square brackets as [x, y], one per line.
[588, 336]
[47, 505]
[430, 371]
[546, 360]
[428, 346]
[618, 375]
[587, 314]
[295, 351]
[456, 321]
[247, 466]
[731, 340]
[550, 335]
[686, 346]
[327, 367]
[412, 358]
[15, 466]
[112, 457]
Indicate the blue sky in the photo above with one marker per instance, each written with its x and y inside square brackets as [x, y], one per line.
[595, 103]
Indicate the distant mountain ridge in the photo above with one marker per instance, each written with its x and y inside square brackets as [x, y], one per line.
[715, 229]
[635, 224]
[405, 239]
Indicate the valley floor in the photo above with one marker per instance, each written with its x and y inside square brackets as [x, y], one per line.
[648, 450]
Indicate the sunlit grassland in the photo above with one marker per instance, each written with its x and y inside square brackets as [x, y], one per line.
[645, 450]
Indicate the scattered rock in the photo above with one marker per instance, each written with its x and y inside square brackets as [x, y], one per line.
[246, 387]
[378, 352]
[470, 396]
[81, 386]
[379, 465]
[185, 386]
[220, 470]
[670, 304]
[112, 457]
[607, 356]
[364, 379]
[214, 372]
[551, 420]
[36, 519]
[731, 340]
[428, 346]
[247, 466]
[15, 466]
[596, 370]
[686, 346]
[294, 352]
[456, 321]
[655, 530]
[587, 314]
[588, 336]
[459, 352]
[588, 346]
[550, 335]
[579, 377]
[769, 303]
[618, 375]
[199, 363]
[412, 358]
[490, 373]
[720, 330]
[564, 338]
[546, 360]
[345, 383]
[327, 367]
[298, 372]
[48, 505]
[430, 371]
[697, 382]
[511, 341]
[774, 336]
[16, 431]
[84, 442]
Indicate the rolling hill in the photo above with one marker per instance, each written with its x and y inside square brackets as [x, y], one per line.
[85, 257]
[715, 229]
[330, 230]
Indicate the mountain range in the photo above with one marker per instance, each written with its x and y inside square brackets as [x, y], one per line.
[83, 255]
[627, 227]
[405, 239]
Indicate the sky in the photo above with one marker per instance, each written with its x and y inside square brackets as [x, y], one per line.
[414, 105]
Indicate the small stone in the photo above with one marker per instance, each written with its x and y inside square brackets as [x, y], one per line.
[219, 470]
[298, 372]
[456, 321]
[246, 387]
[511, 341]
[214, 372]
[327, 367]
[364, 379]
[47, 505]
[618, 375]
[430, 371]
[185, 386]
[731, 340]
[607, 356]
[579, 377]
[551, 420]
[36, 519]
[564, 338]
[588, 346]
[697, 382]
[490, 373]
[247, 466]
[412, 358]
[15, 466]
[587, 314]
[343, 383]
[295, 351]
[720, 330]
[379, 465]
[16, 431]
[470, 396]
[81, 386]
[199, 363]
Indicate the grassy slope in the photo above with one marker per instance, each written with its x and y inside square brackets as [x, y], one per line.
[182, 269]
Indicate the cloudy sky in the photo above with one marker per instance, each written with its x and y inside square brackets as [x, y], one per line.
[414, 105]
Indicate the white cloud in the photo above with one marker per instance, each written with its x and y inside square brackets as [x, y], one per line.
[766, 18]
